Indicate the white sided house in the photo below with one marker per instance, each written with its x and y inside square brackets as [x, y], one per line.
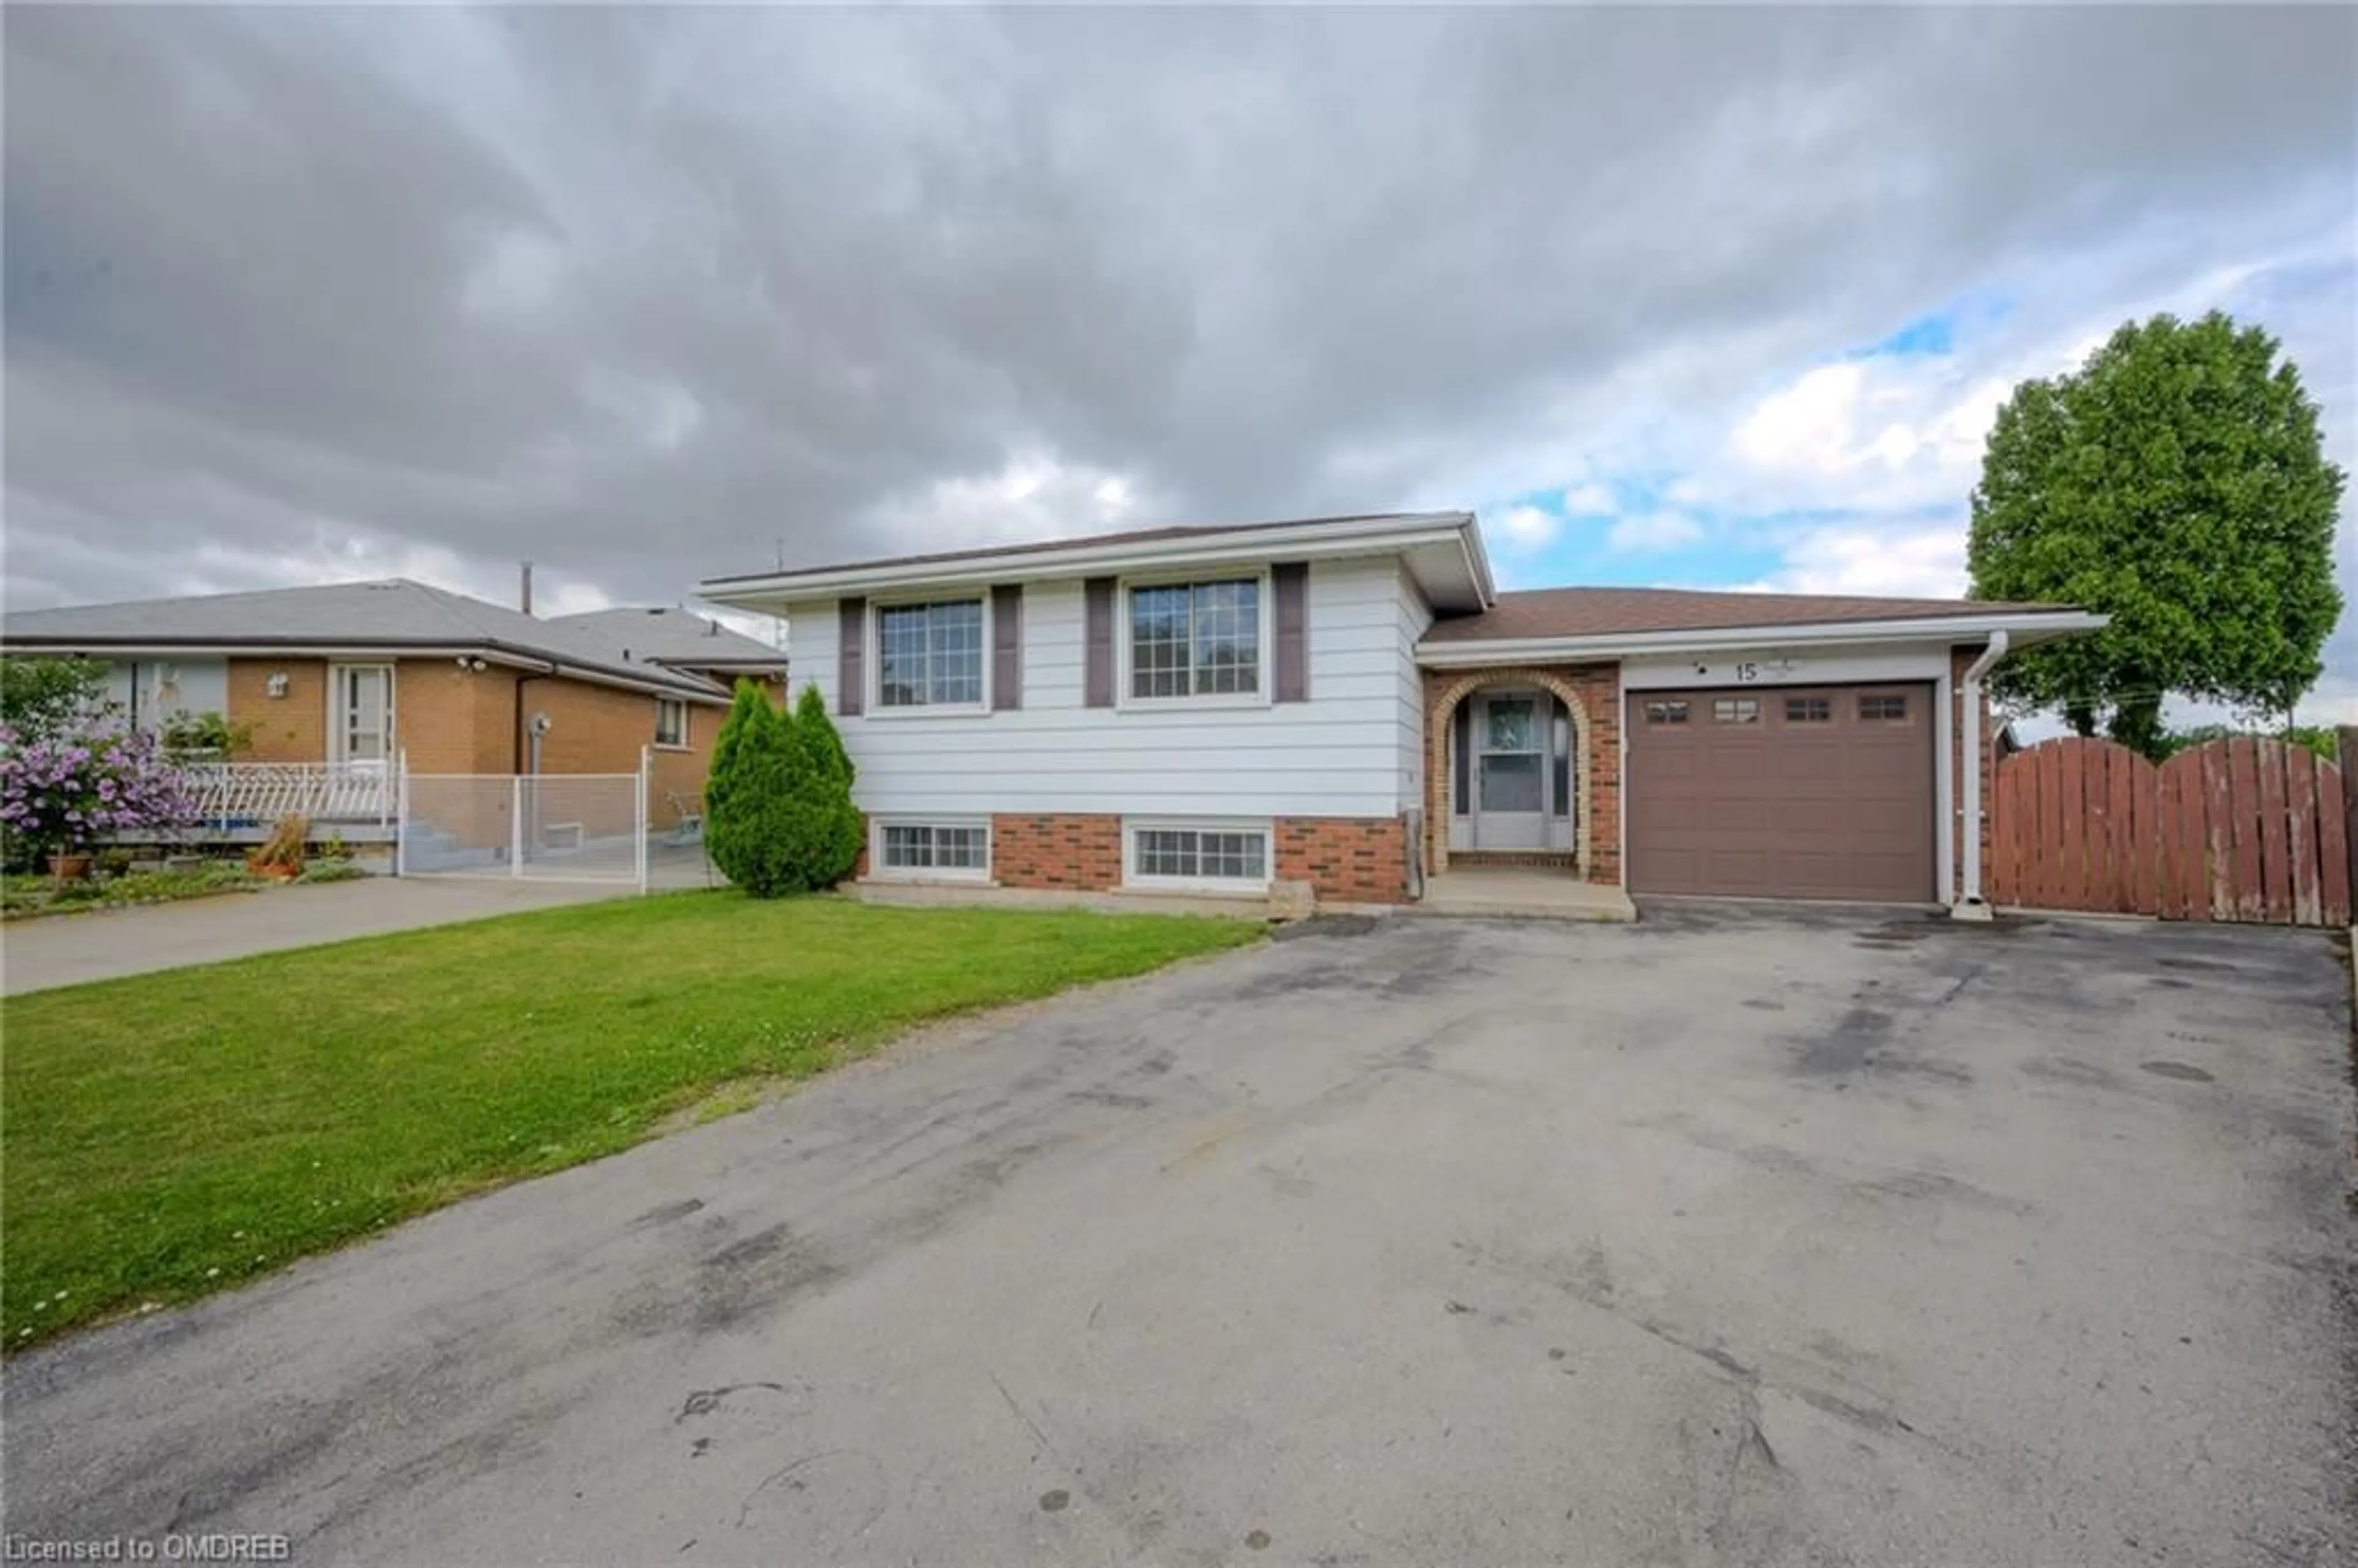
[1350, 703]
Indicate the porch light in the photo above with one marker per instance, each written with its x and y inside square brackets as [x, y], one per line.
[276, 684]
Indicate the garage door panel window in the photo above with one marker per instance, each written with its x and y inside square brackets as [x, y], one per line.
[1809, 710]
[1883, 707]
[1665, 713]
[1735, 710]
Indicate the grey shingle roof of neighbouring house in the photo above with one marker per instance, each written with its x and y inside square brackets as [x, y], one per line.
[1618, 611]
[675, 636]
[390, 615]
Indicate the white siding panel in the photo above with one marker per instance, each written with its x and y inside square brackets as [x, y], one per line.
[810, 650]
[1416, 619]
[1338, 754]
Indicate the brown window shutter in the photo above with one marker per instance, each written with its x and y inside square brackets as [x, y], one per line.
[1096, 618]
[1006, 646]
[1289, 584]
[851, 677]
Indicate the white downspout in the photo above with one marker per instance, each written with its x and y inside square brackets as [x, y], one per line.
[1971, 904]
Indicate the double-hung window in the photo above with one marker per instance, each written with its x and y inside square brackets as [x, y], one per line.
[1196, 639]
[929, 656]
[671, 722]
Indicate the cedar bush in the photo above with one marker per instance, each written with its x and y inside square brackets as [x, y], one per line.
[827, 825]
[778, 811]
[745, 797]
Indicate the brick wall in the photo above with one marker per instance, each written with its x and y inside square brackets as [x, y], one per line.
[1069, 850]
[289, 729]
[600, 729]
[1352, 859]
[1592, 693]
[453, 720]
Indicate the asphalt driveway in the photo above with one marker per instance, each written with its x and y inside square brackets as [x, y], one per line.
[1727, 1237]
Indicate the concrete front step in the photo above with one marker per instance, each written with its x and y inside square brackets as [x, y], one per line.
[1526, 893]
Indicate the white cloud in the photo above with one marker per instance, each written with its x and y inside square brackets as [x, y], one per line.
[1652, 531]
[1885, 433]
[1032, 496]
[1589, 500]
[1528, 527]
[1920, 562]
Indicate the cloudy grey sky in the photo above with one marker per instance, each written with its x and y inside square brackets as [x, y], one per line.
[1671, 295]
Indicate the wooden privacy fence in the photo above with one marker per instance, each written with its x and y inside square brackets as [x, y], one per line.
[2244, 830]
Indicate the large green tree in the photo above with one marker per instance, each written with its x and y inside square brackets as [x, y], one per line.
[2176, 482]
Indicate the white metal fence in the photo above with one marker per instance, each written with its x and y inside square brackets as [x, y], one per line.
[572, 827]
[235, 796]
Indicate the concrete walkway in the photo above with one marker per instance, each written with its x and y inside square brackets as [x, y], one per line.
[68, 949]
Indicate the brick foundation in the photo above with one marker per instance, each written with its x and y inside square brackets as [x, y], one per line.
[1350, 860]
[1073, 851]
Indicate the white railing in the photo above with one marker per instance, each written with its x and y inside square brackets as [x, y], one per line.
[256, 795]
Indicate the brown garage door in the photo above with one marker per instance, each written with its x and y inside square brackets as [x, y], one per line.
[1823, 791]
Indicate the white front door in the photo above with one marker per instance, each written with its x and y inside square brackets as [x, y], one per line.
[359, 713]
[1509, 771]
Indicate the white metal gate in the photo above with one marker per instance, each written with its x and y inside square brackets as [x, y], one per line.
[560, 827]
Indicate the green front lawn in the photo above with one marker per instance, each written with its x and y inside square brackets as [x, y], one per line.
[175, 1133]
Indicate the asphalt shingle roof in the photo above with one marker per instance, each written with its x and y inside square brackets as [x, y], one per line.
[673, 636]
[392, 614]
[1620, 611]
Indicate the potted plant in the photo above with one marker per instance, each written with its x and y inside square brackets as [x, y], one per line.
[280, 857]
[62, 793]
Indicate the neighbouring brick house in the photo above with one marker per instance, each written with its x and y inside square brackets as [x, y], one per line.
[355, 678]
[1350, 703]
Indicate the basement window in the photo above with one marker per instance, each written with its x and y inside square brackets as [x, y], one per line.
[1211, 857]
[955, 849]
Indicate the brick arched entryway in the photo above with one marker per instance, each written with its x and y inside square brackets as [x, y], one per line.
[1589, 694]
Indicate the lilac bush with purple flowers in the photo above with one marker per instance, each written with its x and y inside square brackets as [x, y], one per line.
[62, 792]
